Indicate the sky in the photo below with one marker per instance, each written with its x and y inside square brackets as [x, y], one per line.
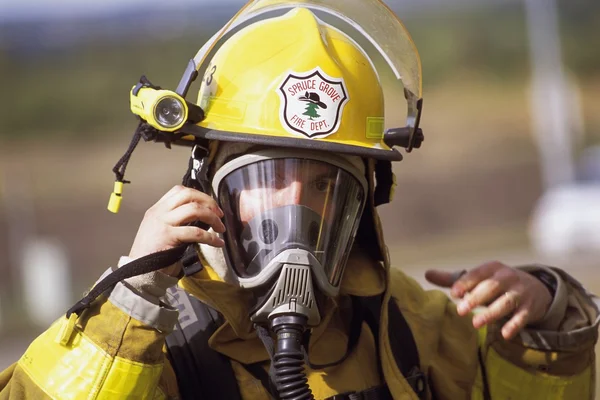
[33, 9]
[66, 8]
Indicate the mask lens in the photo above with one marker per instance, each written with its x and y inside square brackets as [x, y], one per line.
[290, 203]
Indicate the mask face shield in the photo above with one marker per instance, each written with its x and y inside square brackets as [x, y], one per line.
[275, 202]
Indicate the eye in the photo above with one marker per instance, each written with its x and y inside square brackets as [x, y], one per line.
[322, 184]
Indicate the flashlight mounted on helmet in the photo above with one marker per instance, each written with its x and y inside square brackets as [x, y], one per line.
[164, 110]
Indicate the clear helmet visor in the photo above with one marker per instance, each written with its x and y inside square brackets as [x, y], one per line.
[273, 205]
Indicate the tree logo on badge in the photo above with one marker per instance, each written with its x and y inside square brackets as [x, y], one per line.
[312, 103]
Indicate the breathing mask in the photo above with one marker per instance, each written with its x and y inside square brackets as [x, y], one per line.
[291, 217]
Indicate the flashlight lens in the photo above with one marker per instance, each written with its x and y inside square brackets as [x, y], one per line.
[169, 112]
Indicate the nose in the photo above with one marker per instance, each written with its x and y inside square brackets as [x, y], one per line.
[291, 194]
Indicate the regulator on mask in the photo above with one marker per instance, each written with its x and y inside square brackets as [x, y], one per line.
[291, 218]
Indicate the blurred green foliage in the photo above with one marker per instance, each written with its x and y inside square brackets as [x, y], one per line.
[82, 92]
[580, 28]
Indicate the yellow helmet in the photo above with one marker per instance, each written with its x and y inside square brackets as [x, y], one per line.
[295, 81]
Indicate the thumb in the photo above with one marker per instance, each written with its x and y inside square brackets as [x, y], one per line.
[442, 278]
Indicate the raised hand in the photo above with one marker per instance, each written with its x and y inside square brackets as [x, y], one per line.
[502, 290]
[166, 223]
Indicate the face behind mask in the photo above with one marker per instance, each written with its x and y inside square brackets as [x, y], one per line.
[291, 218]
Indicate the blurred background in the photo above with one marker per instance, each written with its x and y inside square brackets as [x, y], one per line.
[509, 170]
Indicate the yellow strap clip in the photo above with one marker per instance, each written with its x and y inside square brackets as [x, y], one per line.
[114, 203]
[66, 330]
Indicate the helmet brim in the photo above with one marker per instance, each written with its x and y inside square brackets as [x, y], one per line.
[288, 142]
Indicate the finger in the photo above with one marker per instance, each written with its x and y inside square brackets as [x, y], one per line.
[503, 306]
[193, 234]
[171, 192]
[192, 212]
[482, 294]
[188, 195]
[472, 278]
[443, 278]
[516, 323]
[488, 289]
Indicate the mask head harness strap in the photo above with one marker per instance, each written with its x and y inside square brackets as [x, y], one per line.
[196, 176]
[386, 182]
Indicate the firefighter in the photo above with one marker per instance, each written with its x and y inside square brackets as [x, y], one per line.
[293, 295]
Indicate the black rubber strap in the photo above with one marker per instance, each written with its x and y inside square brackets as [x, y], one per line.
[190, 262]
[143, 131]
[149, 263]
[402, 343]
[121, 165]
[372, 318]
[405, 349]
[385, 182]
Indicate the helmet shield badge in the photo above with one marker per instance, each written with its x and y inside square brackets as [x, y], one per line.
[312, 103]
